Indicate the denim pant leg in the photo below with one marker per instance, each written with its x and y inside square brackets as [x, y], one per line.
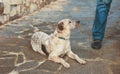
[102, 10]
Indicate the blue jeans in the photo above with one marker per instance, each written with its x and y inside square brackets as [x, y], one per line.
[102, 10]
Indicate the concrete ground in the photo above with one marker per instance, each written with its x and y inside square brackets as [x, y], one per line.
[17, 56]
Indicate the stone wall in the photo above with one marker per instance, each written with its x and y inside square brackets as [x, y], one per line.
[13, 9]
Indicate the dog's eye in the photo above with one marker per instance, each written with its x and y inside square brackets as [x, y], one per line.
[69, 21]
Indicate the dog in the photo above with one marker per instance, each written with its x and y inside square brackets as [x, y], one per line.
[58, 43]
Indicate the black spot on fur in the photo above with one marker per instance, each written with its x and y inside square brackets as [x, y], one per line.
[60, 26]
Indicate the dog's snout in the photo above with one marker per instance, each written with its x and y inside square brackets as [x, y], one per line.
[78, 22]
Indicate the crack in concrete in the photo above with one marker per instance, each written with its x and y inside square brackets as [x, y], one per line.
[32, 68]
[14, 72]
[16, 54]
[96, 59]
[20, 37]
[6, 58]
[22, 31]
[24, 59]
[48, 71]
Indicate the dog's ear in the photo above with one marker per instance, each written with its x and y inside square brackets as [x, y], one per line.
[60, 26]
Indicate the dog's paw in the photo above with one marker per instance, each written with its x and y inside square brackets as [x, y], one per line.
[66, 65]
[83, 62]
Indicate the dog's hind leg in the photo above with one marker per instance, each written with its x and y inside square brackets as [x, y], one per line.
[36, 44]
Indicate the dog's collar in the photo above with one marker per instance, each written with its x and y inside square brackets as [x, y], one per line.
[62, 38]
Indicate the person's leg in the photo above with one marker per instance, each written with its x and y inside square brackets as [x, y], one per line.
[98, 30]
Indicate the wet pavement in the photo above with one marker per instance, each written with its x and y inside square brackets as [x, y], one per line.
[17, 56]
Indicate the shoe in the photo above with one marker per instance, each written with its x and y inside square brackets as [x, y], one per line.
[97, 44]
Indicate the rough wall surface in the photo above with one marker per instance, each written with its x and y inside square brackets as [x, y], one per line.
[13, 9]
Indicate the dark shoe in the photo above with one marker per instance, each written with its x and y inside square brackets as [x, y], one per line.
[97, 44]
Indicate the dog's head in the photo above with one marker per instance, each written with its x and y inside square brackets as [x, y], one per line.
[67, 24]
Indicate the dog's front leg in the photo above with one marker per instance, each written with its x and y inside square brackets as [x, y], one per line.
[74, 56]
[59, 60]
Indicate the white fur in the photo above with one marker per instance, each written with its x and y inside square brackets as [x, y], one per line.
[56, 46]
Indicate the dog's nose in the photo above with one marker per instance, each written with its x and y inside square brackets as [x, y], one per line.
[78, 22]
